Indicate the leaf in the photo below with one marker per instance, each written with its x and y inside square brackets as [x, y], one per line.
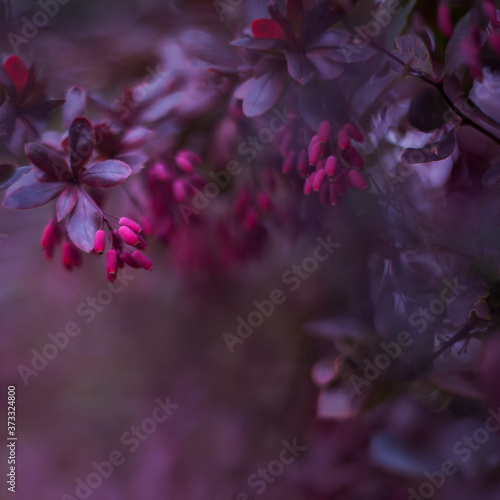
[367, 95]
[29, 193]
[434, 151]
[261, 44]
[106, 174]
[43, 109]
[17, 175]
[340, 403]
[453, 56]
[74, 107]
[326, 69]
[266, 28]
[412, 50]
[209, 49]
[349, 53]
[264, 94]
[17, 70]
[329, 39]
[81, 141]
[462, 303]
[66, 202]
[299, 67]
[83, 222]
[136, 161]
[49, 161]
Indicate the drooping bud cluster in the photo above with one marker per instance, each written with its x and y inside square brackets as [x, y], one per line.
[330, 164]
[127, 233]
[51, 238]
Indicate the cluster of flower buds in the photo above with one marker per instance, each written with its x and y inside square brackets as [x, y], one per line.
[127, 233]
[51, 238]
[494, 31]
[329, 165]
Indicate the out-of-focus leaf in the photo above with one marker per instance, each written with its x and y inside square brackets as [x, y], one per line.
[83, 222]
[29, 193]
[106, 174]
[428, 110]
[453, 57]
[462, 383]
[299, 67]
[135, 161]
[43, 109]
[66, 202]
[264, 94]
[74, 107]
[329, 39]
[47, 160]
[261, 44]
[367, 95]
[340, 403]
[207, 48]
[81, 143]
[434, 151]
[469, 300]
[326, 69]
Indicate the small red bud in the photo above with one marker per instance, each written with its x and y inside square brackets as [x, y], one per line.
[343, 140]
[125, 221]
[319, 177]
[179, 190]
[187, 160]
[111, 264]
[142, 260]
[445, 23]
[357, 180]
[334, 197]
[308, 186]
[128, 236]
[288, 162]
[100, 242]
[354, 133]
[331, 166]
[315, 154]
[324, 132]
[302, 163]
[127, 258]
[355, 158]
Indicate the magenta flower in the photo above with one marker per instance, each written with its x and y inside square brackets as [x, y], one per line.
[53, 177]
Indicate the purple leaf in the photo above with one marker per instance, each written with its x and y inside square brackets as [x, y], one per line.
[66, 202]
[17, 175]
[412, 50]
[29, 193]
[434, 151]
[106, 174]
[74, 106]
[81, 143]
[325, 67]
[48, 161]
[329, 39]
[264, 93]
[136, 161]
[299, 67]
[261, 44]
[83, 222]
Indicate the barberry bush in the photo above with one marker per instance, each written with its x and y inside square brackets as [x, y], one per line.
[347, 150]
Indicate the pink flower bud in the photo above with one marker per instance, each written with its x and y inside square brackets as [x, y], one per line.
[357, 180]
[288, 162]
[324, 132]
[128, 236]
[100, 242]
[302, 163]
[285, 144]
[315, 154]
[355, 158]
[142, 260]
[313, 141]
[179, 190]
[142, 243]
[340, 185]
[187, 160]
[127, 258]
[331, 166]
[319, 177]
[251, 220]
[343, 140]
[445, 23]
[159, 172]
[111, 264]
[308, 186]
[354, 133]
[263, 202]
[146, 224]
[50, 238]
[67, 257]
[125, 221]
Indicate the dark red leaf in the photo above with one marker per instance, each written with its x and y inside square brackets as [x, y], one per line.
[17, 71]
[81, 143]
[261, 44]
[48, 161]
[267, 28]
[29, 193]
[83, 222]
[299, 67]
[106, 174]
[66, 202]
[74, 106]
[264, 93]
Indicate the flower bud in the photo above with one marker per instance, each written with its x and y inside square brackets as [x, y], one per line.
[334, 197]
[302, 163]
[319, 177]
[187, 160]
[111, 264]
[445, 23]
[343, 140]
[356, 180]
[491, 11]
[127, 258]
[288, 162]
[355, 158]
[324, 132]
[50, 238]
[315, 154]
[354, 133]
[263, 202]
[142, 260]
[331, 166]
[124, 221]
[71, 256]
[308, 186]
[494, 40]
[128, 236]
[100, 241]
[179, 190]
